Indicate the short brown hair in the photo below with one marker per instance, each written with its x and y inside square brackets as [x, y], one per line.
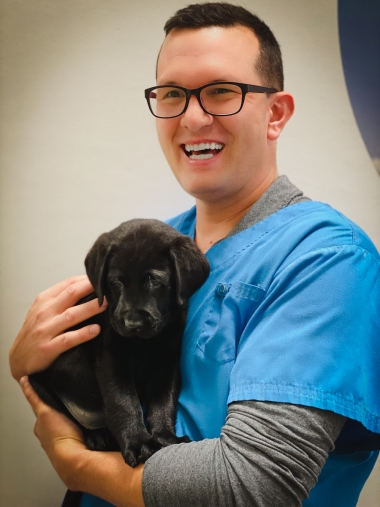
[269, 63]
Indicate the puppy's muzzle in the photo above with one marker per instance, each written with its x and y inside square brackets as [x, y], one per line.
[139, 324]
[133, 324]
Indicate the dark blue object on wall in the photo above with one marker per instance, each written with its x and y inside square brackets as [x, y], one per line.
[359, 33]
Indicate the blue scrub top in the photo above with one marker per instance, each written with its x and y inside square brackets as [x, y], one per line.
[289, 313]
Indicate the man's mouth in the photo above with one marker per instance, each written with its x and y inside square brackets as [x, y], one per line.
[203, 150]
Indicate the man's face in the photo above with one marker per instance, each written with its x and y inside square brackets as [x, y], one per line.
[192, 58]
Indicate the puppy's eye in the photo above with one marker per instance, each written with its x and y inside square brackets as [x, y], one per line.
[116, 282]
[152, 282]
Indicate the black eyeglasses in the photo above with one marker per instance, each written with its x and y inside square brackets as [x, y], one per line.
[218, 99]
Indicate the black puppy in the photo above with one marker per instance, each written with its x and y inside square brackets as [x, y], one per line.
[147, 271]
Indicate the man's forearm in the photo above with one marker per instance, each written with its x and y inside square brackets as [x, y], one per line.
[105, 474]
[269, 454]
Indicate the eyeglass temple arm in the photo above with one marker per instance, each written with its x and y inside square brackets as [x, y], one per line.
[260, 89]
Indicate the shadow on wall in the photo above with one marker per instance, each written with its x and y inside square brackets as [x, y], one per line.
[359, 36]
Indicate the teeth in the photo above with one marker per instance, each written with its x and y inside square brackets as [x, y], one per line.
[203, 146]
[201, 156]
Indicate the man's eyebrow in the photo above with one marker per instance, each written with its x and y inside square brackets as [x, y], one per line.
[174, 83]
[225, 80]
[169, 83]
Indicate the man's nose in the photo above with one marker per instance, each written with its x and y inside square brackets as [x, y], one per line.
[194, 118]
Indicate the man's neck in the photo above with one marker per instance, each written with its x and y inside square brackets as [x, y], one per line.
[216, 219]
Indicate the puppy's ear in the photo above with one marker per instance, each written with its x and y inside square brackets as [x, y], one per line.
[190, 265]
[96, 263]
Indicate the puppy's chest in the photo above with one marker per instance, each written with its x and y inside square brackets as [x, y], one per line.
[131, 361]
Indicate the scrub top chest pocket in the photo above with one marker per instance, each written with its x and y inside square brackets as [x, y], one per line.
[232, 306]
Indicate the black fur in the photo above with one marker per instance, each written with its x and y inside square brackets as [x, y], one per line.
[147, 271]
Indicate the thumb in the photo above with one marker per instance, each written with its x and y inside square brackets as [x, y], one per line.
[31, 395]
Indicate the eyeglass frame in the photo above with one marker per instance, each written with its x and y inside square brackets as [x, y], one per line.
[245, 88]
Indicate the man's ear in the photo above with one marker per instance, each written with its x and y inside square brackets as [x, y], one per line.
[96, 263]
[282, 108]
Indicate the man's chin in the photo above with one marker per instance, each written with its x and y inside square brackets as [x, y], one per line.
[209, 194]
[204, 185]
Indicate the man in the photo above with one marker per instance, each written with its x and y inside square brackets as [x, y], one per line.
[280, 355]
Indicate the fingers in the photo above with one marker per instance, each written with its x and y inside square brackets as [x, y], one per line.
[75, 315]
[43, 335]
[31, 395]
[55, 290]
[54, 301]
[51, 426]
[71, 294]
[58, 314]
[71, 339]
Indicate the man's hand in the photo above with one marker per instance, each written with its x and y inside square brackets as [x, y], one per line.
[61, 439]
[103, 474]
[42, 337]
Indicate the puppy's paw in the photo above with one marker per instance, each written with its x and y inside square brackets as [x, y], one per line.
[130, 457]
[148, 449]
[183, 440]
[134, 454]
[131, 451]
[166, 439]
[95, 441]
[100, 440]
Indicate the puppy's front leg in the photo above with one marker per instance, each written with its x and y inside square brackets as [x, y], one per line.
[162, 396]
[123, 410]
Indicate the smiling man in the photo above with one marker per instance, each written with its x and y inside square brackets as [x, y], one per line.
[280, 358]
[228, 178]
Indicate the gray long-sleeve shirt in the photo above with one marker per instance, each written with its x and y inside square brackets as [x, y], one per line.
[268, 454]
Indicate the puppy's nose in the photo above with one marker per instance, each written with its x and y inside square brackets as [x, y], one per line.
[133, 324]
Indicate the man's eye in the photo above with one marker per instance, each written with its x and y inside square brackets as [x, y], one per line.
[221, 90]
[172, 95]
[168, 94]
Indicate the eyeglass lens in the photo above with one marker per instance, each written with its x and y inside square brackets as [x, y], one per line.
[222, 99]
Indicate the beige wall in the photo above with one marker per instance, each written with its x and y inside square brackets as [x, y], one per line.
[79, 155]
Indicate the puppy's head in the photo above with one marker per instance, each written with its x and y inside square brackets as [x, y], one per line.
[147, 271]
